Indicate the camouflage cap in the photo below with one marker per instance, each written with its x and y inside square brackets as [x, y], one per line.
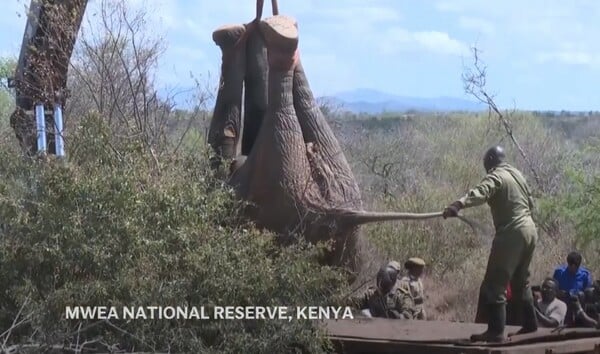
[395, 265]
[414, 261]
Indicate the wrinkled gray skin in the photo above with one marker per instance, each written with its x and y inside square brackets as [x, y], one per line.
[226, 126]
[255, 94]
[296, 175]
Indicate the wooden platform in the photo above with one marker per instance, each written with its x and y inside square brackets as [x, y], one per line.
[379, 335]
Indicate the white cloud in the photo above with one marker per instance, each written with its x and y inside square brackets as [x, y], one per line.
[361, 13]
[440, 42]
[476, 24]
[431, 41]
[538, 31]
[567, 57]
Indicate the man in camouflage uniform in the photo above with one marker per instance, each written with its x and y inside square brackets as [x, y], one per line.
[385, 300]
[506, 192]
[396, 265]
[411, 284]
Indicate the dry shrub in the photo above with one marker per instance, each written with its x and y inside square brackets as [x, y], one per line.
[106, 229]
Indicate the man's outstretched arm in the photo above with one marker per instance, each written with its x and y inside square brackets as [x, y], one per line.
[482, 192]
[478, 195]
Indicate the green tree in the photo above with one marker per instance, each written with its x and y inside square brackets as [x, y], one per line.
[7, 69]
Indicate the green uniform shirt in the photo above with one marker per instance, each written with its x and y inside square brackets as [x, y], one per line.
[508, 195]
[414, 288]
[395, 304]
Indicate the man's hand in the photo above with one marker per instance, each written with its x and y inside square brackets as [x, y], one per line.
[575, 303]
[452, 209]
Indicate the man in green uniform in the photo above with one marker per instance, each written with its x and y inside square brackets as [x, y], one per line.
[506, 192]
[411, 284]
[386, 300]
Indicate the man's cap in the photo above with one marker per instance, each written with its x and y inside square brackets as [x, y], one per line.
[414, 261]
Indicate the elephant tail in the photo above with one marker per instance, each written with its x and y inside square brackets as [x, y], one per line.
[363, 217]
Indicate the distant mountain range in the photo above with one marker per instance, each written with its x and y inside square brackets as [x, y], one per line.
[373, 101]
[370, 101]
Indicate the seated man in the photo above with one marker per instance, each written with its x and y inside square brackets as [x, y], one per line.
[549, 310]
[572, 278]
[386, 300]
[587, 315]
[411, 284]
[396, 266]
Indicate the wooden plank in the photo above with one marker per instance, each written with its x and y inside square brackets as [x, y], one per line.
[379, 335]
[356, 346]
[441, 331]
[405, 330]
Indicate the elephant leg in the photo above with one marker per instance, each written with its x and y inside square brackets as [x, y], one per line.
[276, 175]
[334, 175]
[255, 93]
[226, 125]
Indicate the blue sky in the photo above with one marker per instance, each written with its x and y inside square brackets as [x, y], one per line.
[541, 54]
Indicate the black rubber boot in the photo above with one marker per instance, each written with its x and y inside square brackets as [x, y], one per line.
[482, 310]
[530, 323]
[496, 324]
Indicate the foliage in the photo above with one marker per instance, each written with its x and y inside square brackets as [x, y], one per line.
[7, 68]
[133, 218]
[582, 205]
[424, 162]
[112, 231]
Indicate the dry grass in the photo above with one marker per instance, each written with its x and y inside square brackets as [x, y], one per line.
[421, 165]
[454, 296]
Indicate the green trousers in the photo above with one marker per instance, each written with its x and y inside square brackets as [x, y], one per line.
[514, 312]
[510, 257]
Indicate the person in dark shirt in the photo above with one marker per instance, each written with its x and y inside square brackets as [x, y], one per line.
[385, 299]
[572, 278]
[586, 308]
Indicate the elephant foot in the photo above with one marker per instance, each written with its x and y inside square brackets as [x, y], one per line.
[281, 39]
[228, 35]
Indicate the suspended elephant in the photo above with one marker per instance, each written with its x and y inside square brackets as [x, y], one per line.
[292, 170]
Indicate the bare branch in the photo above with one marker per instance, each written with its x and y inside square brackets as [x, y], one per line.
[474, 80]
